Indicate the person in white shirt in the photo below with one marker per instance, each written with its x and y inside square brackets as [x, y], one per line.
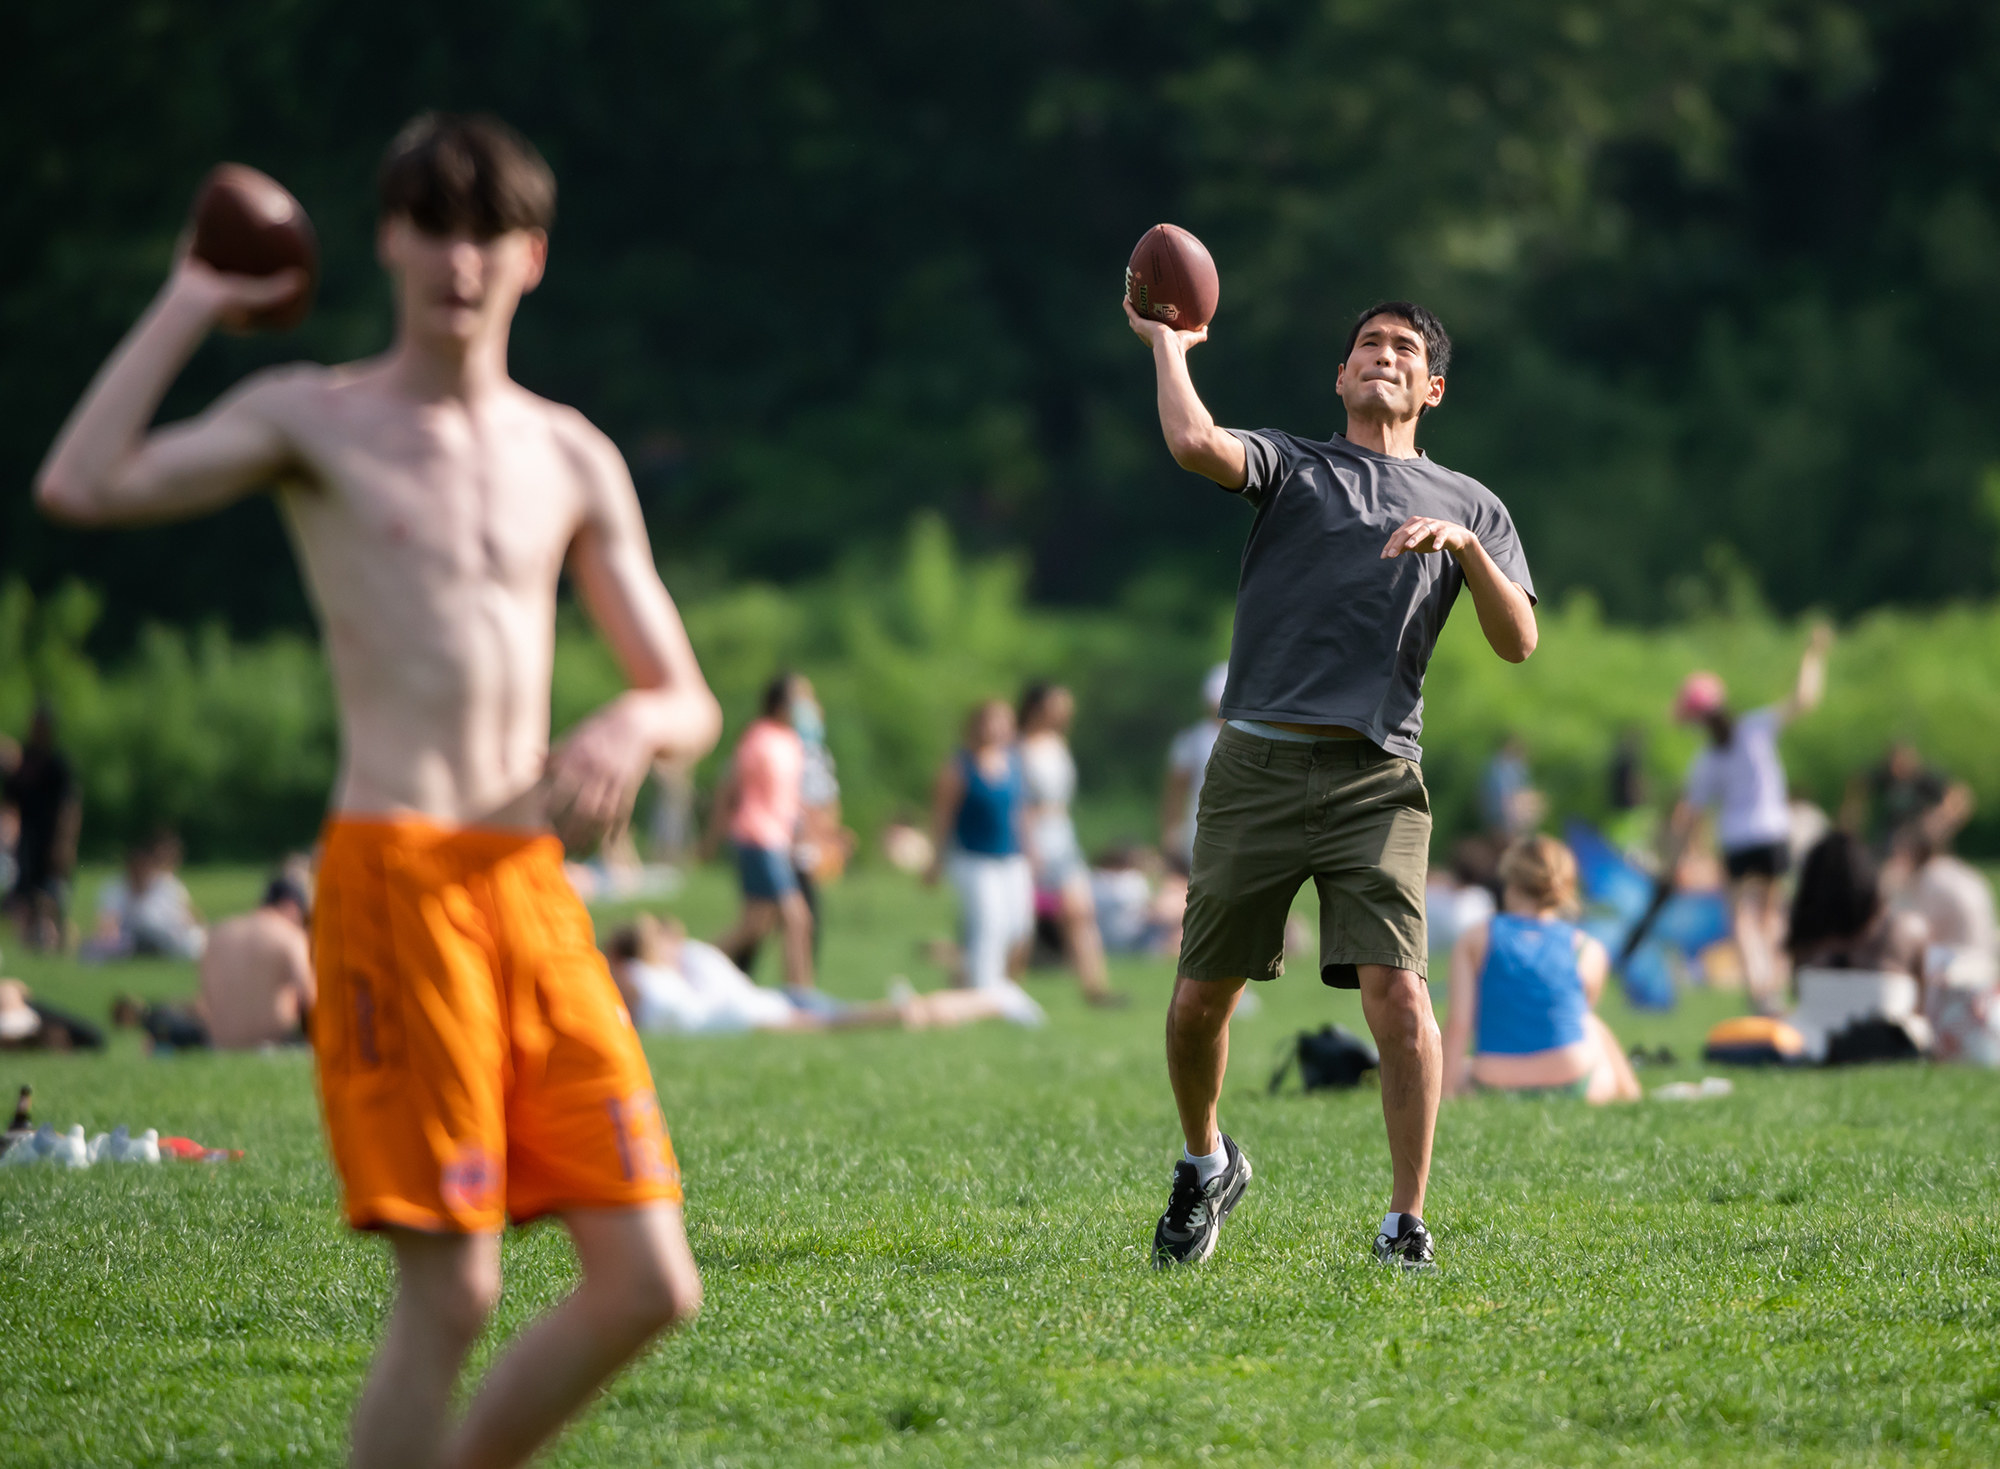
[1953, 897]
[1062, 877]
[676, 985]
[1740, 780]
[1187, 764]
[146, 908]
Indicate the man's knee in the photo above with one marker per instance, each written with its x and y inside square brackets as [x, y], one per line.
[1201, 1006]
[1398, 1005]
[652, 1294]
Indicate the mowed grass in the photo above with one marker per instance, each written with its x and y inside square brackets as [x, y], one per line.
[932, 1249]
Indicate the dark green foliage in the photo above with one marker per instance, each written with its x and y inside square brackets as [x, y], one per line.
[232, 744]
[1720, 274]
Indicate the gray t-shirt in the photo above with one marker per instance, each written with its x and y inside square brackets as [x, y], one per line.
[1327, 632]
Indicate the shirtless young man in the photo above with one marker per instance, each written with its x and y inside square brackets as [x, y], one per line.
[475, 1063]
[256, 974]
[256, 983]
[1360, 546]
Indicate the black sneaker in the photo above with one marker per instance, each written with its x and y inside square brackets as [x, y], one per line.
[1188, 1230]
[1411, 1249]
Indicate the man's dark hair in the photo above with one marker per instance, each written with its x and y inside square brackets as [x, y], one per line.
[284, 890]
[474, 175]
[1839, 894]
[1437, 341]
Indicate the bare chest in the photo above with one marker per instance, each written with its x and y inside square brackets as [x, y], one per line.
[441, 499]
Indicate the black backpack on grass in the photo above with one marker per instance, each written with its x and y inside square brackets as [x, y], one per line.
[1330, 1057]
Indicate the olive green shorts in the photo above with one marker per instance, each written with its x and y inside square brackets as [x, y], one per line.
[1345, 813]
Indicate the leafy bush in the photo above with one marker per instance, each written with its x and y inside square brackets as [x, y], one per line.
[235, 743]
[232, 744]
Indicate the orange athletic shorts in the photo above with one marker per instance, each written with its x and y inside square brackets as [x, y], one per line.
[475, 1061]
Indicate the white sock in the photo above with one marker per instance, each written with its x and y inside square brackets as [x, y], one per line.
[1207, 1168]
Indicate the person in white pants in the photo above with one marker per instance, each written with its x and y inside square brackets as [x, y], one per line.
[976, 816]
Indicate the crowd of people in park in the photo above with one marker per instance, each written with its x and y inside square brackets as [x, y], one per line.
[1871, 895]
[1860, 929]
[477, 1055]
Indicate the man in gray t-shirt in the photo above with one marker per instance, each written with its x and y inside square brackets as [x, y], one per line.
[1327, 630]
[1359, 548]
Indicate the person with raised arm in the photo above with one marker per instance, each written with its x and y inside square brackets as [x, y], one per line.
[475, 1062]
[1359, 547]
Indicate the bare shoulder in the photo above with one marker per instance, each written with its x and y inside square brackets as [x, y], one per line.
[278, 393]
[300, 395]
[589, 446]
[602, 481]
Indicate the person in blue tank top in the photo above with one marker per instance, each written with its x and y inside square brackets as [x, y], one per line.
[977, 810]
[1524, 990]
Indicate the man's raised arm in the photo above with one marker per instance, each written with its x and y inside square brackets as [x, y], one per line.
[1192, 436]
[668, 711]
[105, 469]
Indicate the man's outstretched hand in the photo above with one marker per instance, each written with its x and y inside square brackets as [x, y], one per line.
[1152, 333]
[1422, 534]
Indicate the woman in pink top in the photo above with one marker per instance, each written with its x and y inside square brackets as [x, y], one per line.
[758, 806]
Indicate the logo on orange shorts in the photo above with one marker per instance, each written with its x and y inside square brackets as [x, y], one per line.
[470, 1182]
[642, 1139]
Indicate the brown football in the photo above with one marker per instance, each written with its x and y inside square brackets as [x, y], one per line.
[245, 223]
[1171, 278]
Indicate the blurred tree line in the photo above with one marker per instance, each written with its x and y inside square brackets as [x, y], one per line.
[234, 743]
[1722, 272]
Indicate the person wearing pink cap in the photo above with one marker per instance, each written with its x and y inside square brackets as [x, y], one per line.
[1740, 780]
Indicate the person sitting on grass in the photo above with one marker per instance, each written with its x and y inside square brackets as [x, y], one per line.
[1840, 921]
[1953, 898]
[1136, 913]
[1858, 971]
[146, 910]
[256, 983]
[681, 986]
[1524, 988]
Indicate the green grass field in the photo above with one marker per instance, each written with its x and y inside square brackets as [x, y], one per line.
[932, 1249]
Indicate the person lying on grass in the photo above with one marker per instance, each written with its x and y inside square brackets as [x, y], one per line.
[1524, 988]
[26, 1024]
[676, 985]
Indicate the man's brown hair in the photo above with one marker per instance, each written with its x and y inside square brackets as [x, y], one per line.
[474, 175]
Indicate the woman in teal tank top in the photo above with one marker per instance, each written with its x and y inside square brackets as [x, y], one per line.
[1524, 987]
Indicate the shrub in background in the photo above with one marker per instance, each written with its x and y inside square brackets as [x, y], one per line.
[231, 744]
